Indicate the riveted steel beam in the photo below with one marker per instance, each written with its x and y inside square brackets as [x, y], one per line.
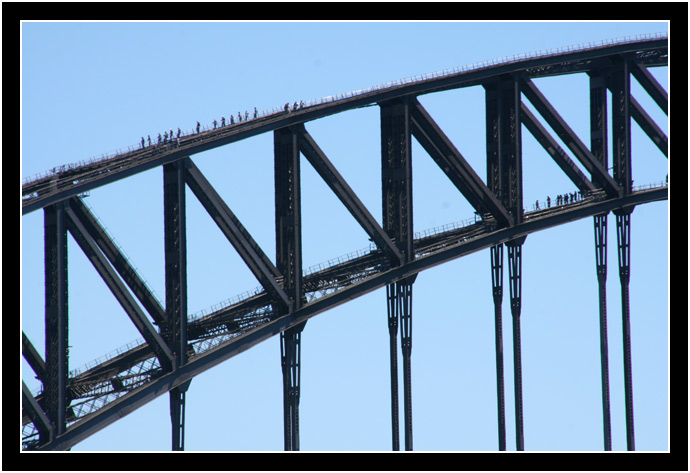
[396, 185]
[206, 361]
[56, 316]
[650, 85]
[107, 273]
[598, 172]
[290, 358]
[515, 278]
[649, 126]
[288, 227]
[344, 192]
[34, 358]
[497, 291]
[600, 250]
[453, 164]
[288, 212]
[619, 81]
[555, 151]
[175, 244]
[36, 414]
[250, 252]
[623, 231]
[118, 260]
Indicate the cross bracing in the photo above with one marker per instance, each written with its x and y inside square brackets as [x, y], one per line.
[97, 396]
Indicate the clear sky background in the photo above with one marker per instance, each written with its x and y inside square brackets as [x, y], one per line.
[90, 88]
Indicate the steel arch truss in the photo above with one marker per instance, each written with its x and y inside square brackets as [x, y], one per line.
[176, 349]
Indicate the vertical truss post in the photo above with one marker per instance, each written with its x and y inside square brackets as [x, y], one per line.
[600, 249]
[289, 263]
[504, 168]
[620, 122]
[599, 148]
[623, 227]
[393, 315]
[497, 286]
[396, 185]
[56, 320]
[290, 351]
[405, 304]
[510, 146]
[622, 173]
[515, 277]
[174, 214]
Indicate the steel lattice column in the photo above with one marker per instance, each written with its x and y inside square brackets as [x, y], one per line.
[396, 185]
[623, 227]
[56, 320]
[504, 168]
[515, 277]
[622, 173]
[174, 212]
[289, 263]
[290, 356]
[599, 148]
[600, 249]
[497, 287]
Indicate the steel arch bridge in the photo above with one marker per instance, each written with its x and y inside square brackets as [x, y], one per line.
[72, 405]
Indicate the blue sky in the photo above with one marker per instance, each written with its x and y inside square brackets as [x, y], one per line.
[91, 88]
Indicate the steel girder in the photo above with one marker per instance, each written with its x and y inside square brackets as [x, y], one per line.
[568, 136]
[497, 292]
[56, 319]
[105, 270]
[396, 190]
[203, 362]
[256, 260]
[175, 244]
[288, 228]
[72, 182]
[344, 192]
[119, 262]
[508, 153]
[454, 165]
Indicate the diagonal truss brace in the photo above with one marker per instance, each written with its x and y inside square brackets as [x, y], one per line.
[568, 136]
[648, 125]
[555, 151]
[443, 152]
[119, 261]
[344, 192]
[650, 85]
[237, 235]
[36, 413]
[90, 248]
[34, 359]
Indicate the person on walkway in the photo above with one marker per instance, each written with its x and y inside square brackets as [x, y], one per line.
[198, 126]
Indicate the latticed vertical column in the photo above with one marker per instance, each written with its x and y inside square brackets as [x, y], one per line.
[396, 185]
[599, 147]
[175, 243]
[56, 320]
[623, 227]
[600, 249]
[504, 178]
[290, 357]
[515, 278]
[497, 289]
[289, 263]
[622, 173]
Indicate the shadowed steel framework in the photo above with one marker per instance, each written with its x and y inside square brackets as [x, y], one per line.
[70, 408]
